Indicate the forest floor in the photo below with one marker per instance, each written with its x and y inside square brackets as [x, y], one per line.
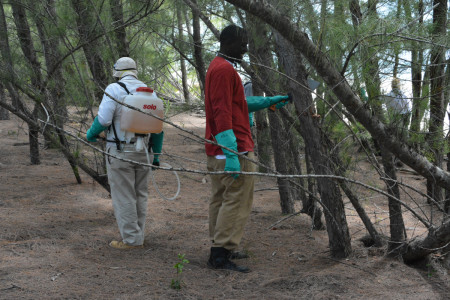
[54, 236]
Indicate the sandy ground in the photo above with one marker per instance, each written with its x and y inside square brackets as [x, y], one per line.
[54, 236]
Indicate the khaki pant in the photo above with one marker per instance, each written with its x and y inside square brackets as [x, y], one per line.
[230, 203]
[129, 192]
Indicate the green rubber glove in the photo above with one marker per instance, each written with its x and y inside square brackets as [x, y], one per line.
[156, 143]
[228, 139]
[95, 130]
[256, 103]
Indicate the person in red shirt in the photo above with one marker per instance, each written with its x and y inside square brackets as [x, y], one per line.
[227, 123]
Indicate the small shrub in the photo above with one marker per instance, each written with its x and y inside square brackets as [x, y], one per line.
[177, 282]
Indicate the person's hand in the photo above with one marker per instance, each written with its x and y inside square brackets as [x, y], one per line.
[155, 162]
[278, 102]
[155, 143]
[95, 130]
[90, 136]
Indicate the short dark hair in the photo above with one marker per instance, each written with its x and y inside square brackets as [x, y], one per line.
[231, 33]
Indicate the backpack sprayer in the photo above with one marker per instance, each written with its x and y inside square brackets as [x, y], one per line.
[142, 124]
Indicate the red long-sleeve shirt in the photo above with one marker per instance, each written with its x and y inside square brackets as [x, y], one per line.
[225, 106]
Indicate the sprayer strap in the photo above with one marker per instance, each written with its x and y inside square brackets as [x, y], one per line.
[116, 139]
[123, 85]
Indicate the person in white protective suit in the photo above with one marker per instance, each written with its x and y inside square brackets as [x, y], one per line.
[398, 108]
[128, 182]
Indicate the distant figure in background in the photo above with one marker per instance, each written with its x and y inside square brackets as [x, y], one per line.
[399, 112]
[398, 109]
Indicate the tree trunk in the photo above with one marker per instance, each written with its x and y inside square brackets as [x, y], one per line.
[277, 133]
[437, 109]
[4, 113]
[338, 166]
[310, 206]
[8, 75]
[338, 234]
[92, 48]
[279, 146]
[182, 60]
[122, 44]
[396, 224]
[259, 48]
[418, 248]
[55, 86]
[198, 53]
[298, 189]
[418, 104]
[447, 191]
[26, 44]
[373, 84]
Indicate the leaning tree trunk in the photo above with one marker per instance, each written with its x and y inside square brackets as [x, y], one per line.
[418, 248]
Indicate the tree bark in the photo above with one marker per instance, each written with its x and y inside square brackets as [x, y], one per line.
[184, 78]
[418, 248]
[310, 206]
[198, 53]
[279, 146]
[87, 29]
[122, 44]
[418, 104]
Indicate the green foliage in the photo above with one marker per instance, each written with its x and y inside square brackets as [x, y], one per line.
[177, 282]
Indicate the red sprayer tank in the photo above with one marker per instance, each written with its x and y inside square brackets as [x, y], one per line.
[134, 121]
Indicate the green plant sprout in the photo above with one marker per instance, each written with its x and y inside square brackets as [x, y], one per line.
[178, 281]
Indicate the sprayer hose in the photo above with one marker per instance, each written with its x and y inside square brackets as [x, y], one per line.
[163, 164]
[154, 181]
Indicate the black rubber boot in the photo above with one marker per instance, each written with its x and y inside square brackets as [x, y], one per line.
[219, 259]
